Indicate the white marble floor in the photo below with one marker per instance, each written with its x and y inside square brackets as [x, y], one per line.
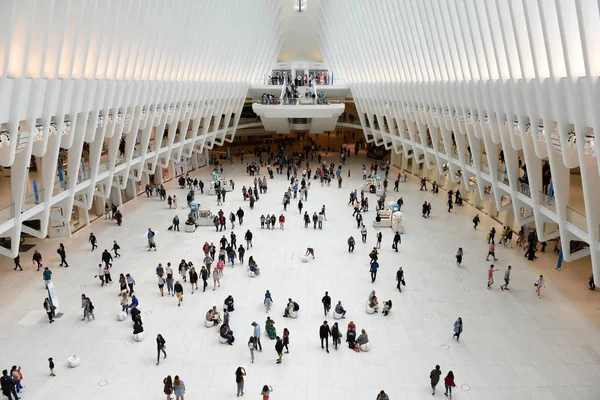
[514, 344]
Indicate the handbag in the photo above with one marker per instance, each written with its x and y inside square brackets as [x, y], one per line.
[403, 283]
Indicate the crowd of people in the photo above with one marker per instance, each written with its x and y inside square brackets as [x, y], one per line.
[297, 169]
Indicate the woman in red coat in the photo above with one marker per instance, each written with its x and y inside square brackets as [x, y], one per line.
[449, 383]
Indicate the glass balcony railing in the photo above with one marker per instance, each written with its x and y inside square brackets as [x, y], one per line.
[576, 218]
[298, 101]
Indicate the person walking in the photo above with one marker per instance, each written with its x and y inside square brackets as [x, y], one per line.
[49, 308]
[217, 275]
[324, 333]
[160, 346]
[539, 283]
[168, 386]
[449, 384]
[459, 256]
[37, 258]
[92, 239]
[475, 221]
[116, 248]
[107, 258]
[326, 300]
[506, 278]
[130, 283]
[8, 385]
[397, 240]
[240, 373]
[251, 345]
[363, 233]
[491, 271]
[491, 252]
[458, 328]
[434, 376]
[379, 238]
[400, 279]
[336, 335]
[17, 261]
[373, 269]
[100, 274]
[204, 277]
[179, 293]
[492, 235]
[279, 349]
[268, 301]
[351, 244]
[193, 279]
[63, 255]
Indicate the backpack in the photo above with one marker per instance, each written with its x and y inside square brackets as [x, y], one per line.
[296, 306]
[91, 306]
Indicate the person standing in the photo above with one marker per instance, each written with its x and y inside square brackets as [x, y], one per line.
[47, 276]
[176, 223]
[240, 215]
[251, 348]
[382, 395]
[458, 328]
[491, 252]
[363, 233]
[8, 386]
[168, 386]
[449, 384]
[217, 275]
[266, 392]
[268, 301]
[326, 300]
[248, 237]
[286, 339]
[491, 271]
[492, 235]
[459, 256]
[240, 373]
[379, 238]
[324, 333]
[179, 293]
[475, 221]
[51, 366]
[37, 258]
[400, 279]
[160, 346]
[374, 267]
[130, 283]
[257, 343]
[204, 276]
[506, 278]
[279, 349]
[179, 388]
[193, 279]
[92, 239]
[539, 283]
[434, 376]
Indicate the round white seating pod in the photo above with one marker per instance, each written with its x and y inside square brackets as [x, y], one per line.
[305, 259]
[252, 274]
[338, 316]
[122, 316]
[365, 347]
[222, 339]
[209, 324]
[370, 310]
[73, 361]
[138, 337]
[294, 314]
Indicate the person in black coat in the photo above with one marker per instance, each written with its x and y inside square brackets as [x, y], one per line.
[160, 346]
[324, 333]
[229, 303]
[279, 349]
[326, 300]
[107, 258]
